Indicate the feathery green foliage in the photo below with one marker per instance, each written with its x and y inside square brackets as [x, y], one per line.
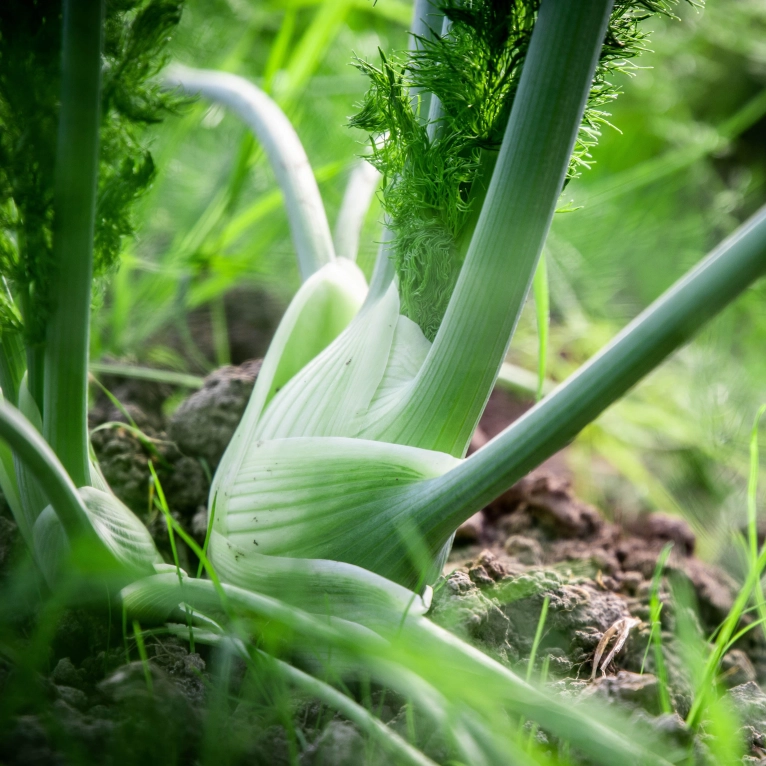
[136, 32]
[437, 166]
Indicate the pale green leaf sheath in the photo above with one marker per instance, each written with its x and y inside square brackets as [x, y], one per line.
[119, 530]
[324, 497]
[300, 484]
[323, 307]
[348, 591]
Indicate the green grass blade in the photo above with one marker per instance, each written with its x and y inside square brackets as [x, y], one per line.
[538, 637]
[542, 314]
[171, 536]
[313, 45]
[147, 373]
[752, 512]
[655, 634]
[139, 636]
[752, 486]
[752, 586]
[279, 49]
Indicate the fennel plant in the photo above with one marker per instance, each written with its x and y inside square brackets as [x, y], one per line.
[389, 404]
[335, 502]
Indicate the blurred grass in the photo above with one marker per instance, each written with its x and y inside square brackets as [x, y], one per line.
[214, 218]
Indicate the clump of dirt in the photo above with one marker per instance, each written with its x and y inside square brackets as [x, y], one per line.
[538, 544]
[98, 708]
[203, 425]
[184, 449]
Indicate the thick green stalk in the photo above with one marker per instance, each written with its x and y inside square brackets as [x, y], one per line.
[449, 394]
[667, 324]
[65, 424]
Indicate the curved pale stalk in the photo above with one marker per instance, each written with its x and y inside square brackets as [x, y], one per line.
[435, 119]
[383, 271]
[426, 18]
[360, 190]
[155, 598]
[303, 203]
[445, 401]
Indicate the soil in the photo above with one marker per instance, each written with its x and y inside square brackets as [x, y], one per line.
[252, 315]
[537, 544]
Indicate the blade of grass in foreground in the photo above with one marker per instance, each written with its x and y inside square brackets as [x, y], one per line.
[655, 635]
[752, 586]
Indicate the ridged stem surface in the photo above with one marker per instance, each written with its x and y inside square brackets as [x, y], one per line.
[451, 390]
[65, 409]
